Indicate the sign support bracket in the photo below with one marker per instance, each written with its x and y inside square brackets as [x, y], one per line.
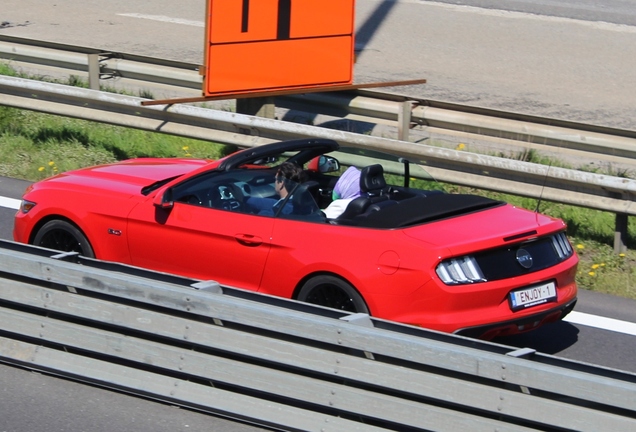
[286, 92]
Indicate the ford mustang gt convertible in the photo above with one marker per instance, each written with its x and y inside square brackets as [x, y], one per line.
[400, 251]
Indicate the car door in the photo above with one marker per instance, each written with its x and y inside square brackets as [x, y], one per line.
[200, 237]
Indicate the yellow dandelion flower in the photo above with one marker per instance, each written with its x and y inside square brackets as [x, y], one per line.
[595, 266]
[51, 163]
[580, 246]
[602, 264]
[41, 169]
[460, 146]
[622, 255]
[185, 148]
[592, 273]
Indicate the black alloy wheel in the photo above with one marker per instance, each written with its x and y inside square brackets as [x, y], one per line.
[333, 292]
[63, 236]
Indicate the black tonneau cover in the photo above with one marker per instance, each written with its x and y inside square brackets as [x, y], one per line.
[421, 209]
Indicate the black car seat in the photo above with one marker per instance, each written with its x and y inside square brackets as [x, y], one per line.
[372, 182]
[373, 189]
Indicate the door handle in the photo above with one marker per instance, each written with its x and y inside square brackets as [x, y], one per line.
[248, 240]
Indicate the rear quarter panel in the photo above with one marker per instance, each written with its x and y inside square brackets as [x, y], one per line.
[385, 266]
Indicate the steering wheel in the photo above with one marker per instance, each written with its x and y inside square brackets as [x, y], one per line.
[236, 200]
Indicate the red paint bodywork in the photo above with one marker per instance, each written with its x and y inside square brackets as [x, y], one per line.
[393, 269]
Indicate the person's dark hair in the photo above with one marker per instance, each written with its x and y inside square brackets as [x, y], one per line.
[291, 171]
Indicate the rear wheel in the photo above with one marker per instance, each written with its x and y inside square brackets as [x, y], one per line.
[63, 236]
[333, 292]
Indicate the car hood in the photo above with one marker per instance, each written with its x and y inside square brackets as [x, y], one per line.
[485, 229]
[129, 176]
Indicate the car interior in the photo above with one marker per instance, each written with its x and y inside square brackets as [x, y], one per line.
[240, 178]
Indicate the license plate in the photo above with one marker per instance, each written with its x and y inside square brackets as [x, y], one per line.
[533, 296]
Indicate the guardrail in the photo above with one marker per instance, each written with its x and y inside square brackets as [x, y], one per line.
[282, 363]
[439, 118]
[100, 64]
[602, 192]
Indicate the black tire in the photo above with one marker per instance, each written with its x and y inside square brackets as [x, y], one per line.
[333, 292]
[63, 236]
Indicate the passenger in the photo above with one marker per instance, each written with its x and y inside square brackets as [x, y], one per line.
[347, 189]
[287, 177]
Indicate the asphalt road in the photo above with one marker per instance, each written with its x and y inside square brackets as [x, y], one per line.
[616, 11]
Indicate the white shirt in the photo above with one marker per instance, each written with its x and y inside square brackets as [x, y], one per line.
[337, 207]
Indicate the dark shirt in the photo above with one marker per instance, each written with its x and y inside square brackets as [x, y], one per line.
[268, 206]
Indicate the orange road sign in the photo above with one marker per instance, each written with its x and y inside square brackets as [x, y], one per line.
[262, 45]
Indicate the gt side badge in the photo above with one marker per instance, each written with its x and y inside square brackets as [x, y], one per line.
[114, 231]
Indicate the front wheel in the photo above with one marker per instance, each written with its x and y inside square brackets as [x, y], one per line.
[332, 292]
[63, 236]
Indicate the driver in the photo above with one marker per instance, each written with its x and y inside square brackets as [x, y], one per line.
[287, 177]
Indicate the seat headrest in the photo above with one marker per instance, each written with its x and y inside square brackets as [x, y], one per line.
[372, 179]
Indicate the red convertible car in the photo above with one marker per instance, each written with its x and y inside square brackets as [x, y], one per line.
[450, 262]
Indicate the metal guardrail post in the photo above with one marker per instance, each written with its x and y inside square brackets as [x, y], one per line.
[93, 71]
[404, 120]
[620, 233]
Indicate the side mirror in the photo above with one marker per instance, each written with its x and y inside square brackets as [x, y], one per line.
[164, 200]
[324, 164]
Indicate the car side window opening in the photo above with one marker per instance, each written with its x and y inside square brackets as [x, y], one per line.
[254, 187]
[194, 191]
[252, 191]
[293, 196]
[286, 179]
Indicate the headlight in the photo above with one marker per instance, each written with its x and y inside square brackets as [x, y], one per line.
[26, 206]
[462, 270]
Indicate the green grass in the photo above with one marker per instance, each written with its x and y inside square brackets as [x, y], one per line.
[602, 270]
[34, 146]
